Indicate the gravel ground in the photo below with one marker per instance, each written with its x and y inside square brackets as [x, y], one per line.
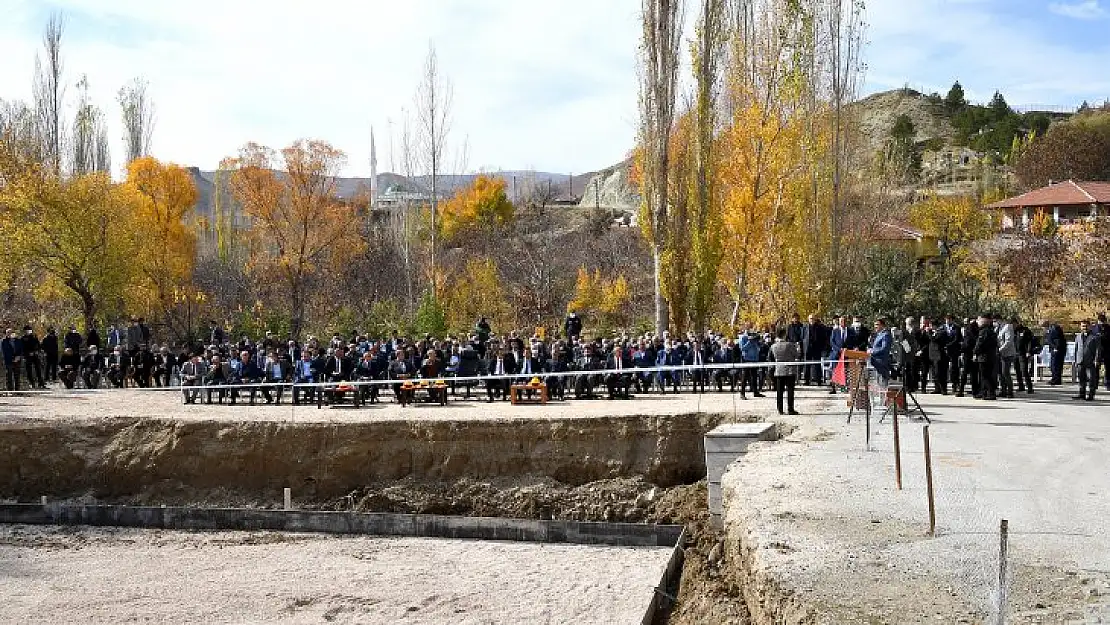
[110, 575]
[59, 405]
[832, 528]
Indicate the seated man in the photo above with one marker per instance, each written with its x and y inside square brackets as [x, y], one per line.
[304, 372]
[584, 384]
[273, 377]
[501, 364]
[249, 373]
[558, 363]
[91, 367]
[366, 371]
[192, 373]
[216, 376]
[119, 367]
[338, 368]
[619, 381]
[399, 369]
[69, 365]
[667, 357]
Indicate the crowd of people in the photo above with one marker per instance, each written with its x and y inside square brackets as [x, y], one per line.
[989, 357]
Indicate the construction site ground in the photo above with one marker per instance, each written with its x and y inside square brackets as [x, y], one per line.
[833, 540]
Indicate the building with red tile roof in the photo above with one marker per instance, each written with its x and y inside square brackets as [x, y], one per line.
[1067, 202]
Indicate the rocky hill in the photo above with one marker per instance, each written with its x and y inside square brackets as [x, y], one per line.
[878, 112]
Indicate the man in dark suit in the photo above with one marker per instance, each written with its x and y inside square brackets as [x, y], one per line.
[12, 347]
[31, 352]
[501, 363]
[986, 355]
[858, 336]
[1058, 348]
[619, 360]
[816, 347]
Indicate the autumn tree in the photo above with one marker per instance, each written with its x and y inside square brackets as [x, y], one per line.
[475, 292]
[300, 229]
[433, 124]
[79, 233]
[137, 110]
[660, 50]
[1078, 149]
[168, 195]
[480, 205]
[90, 135]
[954, 221]
[708, 54]
[49, 90]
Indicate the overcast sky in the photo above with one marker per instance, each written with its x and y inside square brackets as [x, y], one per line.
[544, 85]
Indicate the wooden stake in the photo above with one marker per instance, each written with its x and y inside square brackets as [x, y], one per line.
[929, 483]
[1004, 539]
[897, 446]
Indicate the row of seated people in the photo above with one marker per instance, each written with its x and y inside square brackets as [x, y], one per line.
[461, 369]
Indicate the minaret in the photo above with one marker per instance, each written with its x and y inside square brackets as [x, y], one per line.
[373, 170]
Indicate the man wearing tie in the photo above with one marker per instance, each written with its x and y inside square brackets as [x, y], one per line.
[502, 364]
[618, 382]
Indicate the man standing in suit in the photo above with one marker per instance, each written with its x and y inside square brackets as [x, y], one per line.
[1104, 338]
[1007, 354]
[986, 354]
[1088, 356]
[838, 336]
[879, 357]
[816, 347]
[784, 351]
[12, 348]
[1058, 348]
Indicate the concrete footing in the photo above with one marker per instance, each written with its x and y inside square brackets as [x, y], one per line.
[375, 523]
[723, 446]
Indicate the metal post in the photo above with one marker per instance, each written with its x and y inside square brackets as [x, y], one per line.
[897, 445]
[1004, 536]
[929, 483]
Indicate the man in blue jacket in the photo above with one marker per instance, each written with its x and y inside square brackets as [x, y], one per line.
[749, 355]
[880, 351]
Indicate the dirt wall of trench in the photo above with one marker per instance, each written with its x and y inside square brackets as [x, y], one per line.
[124, 457]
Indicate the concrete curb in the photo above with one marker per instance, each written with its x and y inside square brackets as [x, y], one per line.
[374, 523]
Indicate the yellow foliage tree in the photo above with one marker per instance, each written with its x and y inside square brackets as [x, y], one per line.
[168, 195]
[954, 221]
[79, 232]
[587, 292]
[614, 301]
[299, 227]
[477, 292]
[481, 204]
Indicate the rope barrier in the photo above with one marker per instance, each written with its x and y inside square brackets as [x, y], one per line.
[449, 379]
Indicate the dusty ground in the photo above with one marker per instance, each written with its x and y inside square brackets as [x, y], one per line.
[156, 404]
[99, 575]
[818, 531]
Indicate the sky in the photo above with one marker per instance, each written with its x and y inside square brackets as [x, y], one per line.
[550, 86]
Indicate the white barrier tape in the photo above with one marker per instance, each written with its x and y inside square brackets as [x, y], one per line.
[453, 379]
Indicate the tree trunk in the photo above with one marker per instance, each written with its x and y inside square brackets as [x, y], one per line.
[88, 309]
[661, 310]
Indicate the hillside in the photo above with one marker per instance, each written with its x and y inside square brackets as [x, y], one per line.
[878, 112]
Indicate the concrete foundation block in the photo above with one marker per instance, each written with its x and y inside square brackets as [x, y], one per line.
[716, 505]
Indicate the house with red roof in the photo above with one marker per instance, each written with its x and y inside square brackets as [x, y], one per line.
[1066, 202]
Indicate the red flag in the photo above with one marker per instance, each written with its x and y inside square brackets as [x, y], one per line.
[839, 376]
